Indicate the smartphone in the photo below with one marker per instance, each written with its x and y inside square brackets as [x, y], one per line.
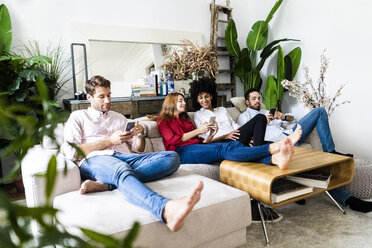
[129, 126]
[272, 111]
[212, 119]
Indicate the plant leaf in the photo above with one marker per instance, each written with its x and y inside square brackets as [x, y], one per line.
[257, 36]
[280, 73]
[5, 29]
[51, 175]
[273, 10]
[295, 56]
[32, 73]
[231, 37]
[39, 60]
[243, 65]
[271, 95]
[105, 240]
[131, 236]
[288, 68]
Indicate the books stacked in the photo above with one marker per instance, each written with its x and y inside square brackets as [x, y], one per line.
[311, 178]
[283, 189]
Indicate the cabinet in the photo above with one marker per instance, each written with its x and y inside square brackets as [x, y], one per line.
[134, 107]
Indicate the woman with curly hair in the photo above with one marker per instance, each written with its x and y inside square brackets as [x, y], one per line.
[204, 98]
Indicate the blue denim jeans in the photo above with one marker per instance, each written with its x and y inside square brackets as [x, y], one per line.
[317, 118]
[214, 152]
[128, 172]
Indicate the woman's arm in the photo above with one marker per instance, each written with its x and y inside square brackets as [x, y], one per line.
[200, 130]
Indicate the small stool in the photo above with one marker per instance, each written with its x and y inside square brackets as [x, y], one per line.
[361, 186]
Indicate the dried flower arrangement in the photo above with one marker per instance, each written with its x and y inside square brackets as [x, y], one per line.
[312, 96]
[191, 59]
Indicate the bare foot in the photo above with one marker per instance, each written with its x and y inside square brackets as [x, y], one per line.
[175, 211]
[282, 158]
[296, 135]
[93, 186]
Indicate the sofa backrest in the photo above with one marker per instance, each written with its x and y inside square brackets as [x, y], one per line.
[154, 142]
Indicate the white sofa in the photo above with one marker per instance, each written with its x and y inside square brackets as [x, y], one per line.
[218, 220]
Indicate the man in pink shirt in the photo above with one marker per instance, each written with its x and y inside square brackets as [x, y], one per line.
[100, 134]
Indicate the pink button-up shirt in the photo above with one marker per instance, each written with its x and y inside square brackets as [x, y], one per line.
[90, 125]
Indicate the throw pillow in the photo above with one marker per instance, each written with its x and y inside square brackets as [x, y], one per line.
[239, 103]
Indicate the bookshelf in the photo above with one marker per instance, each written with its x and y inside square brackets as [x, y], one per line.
[257, 178]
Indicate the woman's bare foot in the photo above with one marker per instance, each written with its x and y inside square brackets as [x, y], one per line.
[296, 135]
[93, 186]
[175, 211]
[284, 156]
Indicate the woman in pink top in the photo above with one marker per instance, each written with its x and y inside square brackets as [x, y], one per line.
[180, 135]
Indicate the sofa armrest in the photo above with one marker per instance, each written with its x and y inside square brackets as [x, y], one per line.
[35, 164]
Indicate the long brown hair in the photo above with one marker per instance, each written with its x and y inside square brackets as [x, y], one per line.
[169, 106]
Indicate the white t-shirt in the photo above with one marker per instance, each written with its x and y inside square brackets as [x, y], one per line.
[274, 131]
[224, 121]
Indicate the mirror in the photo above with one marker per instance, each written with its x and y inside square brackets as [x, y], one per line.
[125, 54]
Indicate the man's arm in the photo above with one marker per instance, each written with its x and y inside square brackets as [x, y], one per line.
[139, 133]
[117, 138]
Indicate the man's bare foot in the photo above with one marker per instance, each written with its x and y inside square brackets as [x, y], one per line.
[283, 158]
[89, 186]
[175, 211]
[296, 135]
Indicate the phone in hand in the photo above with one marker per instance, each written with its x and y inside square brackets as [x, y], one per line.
[272, 111]
[129, 126]
[212, 119]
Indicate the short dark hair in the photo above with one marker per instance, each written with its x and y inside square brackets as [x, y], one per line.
[207, 85]
[246, 96]
[94, 82]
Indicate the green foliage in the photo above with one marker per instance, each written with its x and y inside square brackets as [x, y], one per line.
[14, 228]
[5, 29]
[58, 69]
[247, 69]
[286, 69]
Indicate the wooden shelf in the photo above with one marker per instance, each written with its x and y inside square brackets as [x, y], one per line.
[257, 178]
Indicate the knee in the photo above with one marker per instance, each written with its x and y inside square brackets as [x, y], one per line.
[320, 110]
[262, 118]
[172, 159]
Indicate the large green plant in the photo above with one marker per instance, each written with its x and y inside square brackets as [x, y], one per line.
[5, 29]
[247, 68]
[286, 69]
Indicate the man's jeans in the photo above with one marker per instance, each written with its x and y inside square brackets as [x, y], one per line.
[317, 118]
[214, 152]
[128, 172]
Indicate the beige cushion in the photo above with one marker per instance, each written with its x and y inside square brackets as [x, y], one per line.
[234, 113]
[221, 210]
[239, 103]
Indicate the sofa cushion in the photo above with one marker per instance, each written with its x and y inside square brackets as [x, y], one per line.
[221, 210]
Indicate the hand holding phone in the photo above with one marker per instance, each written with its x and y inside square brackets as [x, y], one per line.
[129, 126]
[212, 119]
[272, 111]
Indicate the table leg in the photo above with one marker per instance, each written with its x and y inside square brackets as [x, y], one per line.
[335, 202]
[263, 223]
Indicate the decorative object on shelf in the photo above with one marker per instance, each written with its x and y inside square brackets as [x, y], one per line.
[247, 68]
[191, 59]
[311, 95]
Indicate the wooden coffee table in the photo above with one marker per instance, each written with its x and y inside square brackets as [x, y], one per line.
[257, 178]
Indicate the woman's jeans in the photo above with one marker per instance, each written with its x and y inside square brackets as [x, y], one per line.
[318, 118]
[214, 152]
[128, 172]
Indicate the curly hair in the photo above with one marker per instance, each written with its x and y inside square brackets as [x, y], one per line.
[207, 85]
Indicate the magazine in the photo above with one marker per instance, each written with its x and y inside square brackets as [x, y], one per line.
[311, 178]
[283, 189]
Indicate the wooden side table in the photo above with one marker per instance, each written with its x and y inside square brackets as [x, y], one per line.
[257, 178]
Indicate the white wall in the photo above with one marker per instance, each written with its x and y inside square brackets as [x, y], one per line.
[340, 26]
